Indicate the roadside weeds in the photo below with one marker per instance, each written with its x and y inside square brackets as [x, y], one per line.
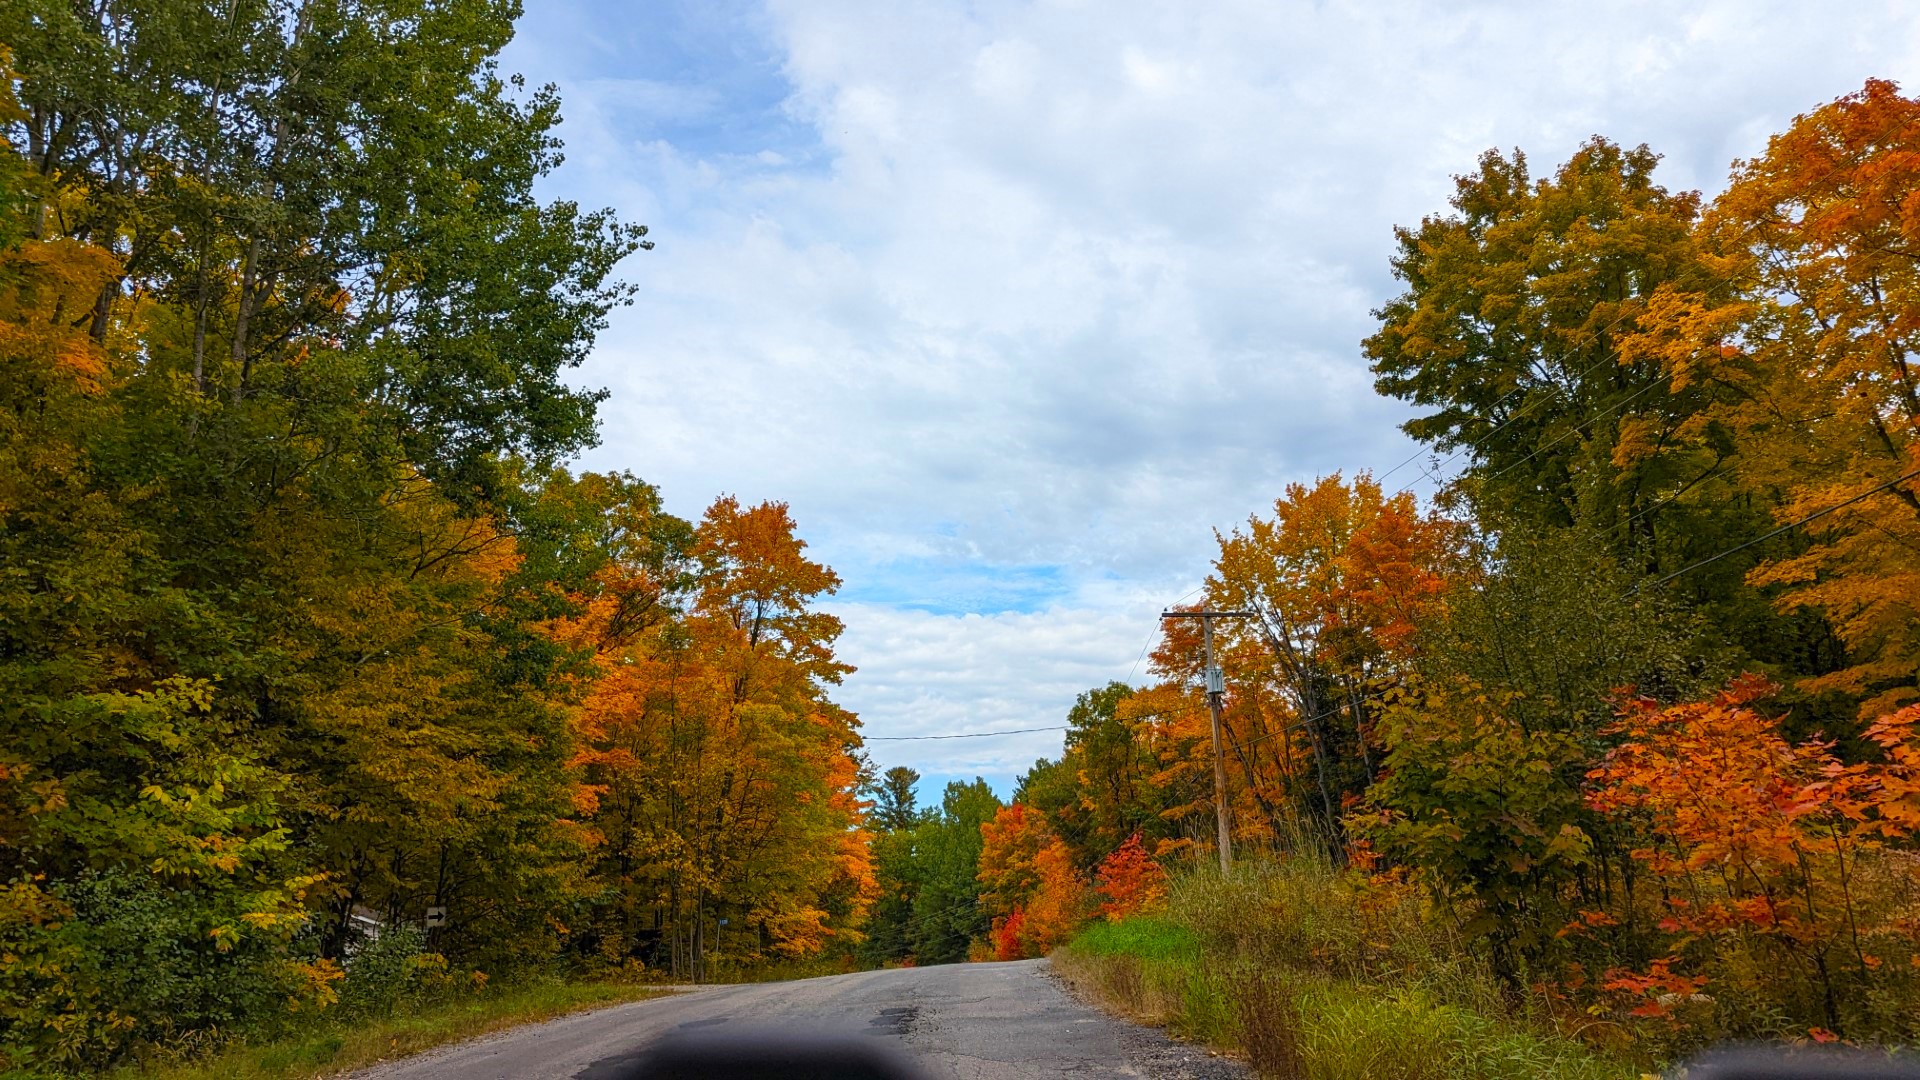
[1294, 1025]
[333, 1048]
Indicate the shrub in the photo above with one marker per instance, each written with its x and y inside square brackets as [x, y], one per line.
[1130, 881]
[118, 958]
[1779, 897]
[383, 970]
[1006, 936]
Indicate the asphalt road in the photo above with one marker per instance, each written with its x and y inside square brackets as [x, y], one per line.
[961, 1021]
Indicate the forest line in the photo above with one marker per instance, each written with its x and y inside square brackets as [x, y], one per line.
[308, 629]
[326, 684]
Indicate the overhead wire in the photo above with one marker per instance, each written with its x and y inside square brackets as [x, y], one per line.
[1724, 281]
[1816, 515]
[1021, 731]
[1554, 389]
[961, 735]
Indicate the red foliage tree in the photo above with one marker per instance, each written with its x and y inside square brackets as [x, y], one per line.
[1006, 936]
[1130, 881]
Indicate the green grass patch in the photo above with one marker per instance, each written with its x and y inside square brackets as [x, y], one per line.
[1147, 938]
[331, 1048]
[1153, 971]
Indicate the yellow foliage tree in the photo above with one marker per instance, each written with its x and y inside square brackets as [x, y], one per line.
[1805, 336]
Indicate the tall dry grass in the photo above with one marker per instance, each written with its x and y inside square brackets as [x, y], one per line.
[1313, 974]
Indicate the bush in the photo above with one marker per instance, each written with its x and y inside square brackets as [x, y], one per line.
[157, 964]
[117, 959]
[382, 970]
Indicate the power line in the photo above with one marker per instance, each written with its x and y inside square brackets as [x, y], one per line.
[1025, 731]
[960, 735]
[1553, 390]
[1716, 472]
[1155, 632]
[1575, 429]
[1012, 731]
[1790, 525]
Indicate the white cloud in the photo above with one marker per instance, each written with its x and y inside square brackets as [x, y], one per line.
[926, 674]
[1000, 286]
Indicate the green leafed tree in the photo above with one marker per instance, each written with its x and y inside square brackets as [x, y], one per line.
[893, 800]
[1509, 329]
[1510, 336]
[293, 175]
[283, 337]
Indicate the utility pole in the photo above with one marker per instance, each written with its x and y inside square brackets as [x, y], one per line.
[1216, 689]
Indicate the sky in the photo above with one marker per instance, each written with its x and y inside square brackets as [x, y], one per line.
[1015, 303]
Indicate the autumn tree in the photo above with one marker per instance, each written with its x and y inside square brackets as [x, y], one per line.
[1060, 904]
[1515, 306]
[1801, 340]
[1558, 625]
[1104, 786]
[1031, 885]
[1010, 844]
[718, 778]
[1338, 579]
[1488, 739]
[1130, 881]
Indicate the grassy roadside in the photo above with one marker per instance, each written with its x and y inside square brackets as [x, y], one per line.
[333, 1048]
[1262, 967]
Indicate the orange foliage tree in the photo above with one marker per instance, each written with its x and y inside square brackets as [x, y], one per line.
[1059, 905]
[1030, 884]
[1009, 854]
[716, 776]
[1339, 577]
